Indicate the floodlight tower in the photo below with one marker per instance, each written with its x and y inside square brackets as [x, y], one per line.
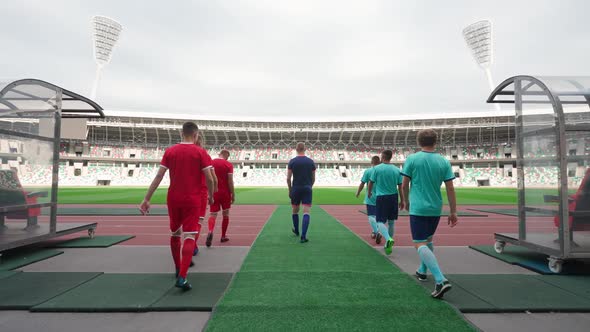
[106, 32]
[478, 37]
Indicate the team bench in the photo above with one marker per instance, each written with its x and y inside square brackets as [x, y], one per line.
[12, 196]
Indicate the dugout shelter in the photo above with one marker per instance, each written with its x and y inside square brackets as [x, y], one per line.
[33, 116]
[552, 132]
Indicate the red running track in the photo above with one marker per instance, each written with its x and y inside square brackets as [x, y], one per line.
[469, 231]
[246, 221]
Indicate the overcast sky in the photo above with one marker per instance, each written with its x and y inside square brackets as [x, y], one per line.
[298, 59]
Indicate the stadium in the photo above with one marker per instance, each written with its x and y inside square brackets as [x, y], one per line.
[126, 150]
[99, 232]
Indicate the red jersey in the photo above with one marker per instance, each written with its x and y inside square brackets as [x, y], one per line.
[222, 169]
[186, 163]
[204, 189]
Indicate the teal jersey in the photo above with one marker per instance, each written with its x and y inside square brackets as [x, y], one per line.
[386, 178]
[365, 179]
[427, 171]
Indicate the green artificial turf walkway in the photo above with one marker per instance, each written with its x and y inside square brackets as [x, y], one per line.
[334, 282]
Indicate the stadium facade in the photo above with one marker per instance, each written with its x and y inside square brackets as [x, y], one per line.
[125, 148]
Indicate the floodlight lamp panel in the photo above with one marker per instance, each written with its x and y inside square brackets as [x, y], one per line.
[478, 37]
[106, 33]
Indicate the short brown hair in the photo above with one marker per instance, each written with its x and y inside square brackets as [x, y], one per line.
[189, 128]
[375, 160]
[300, 147]
[386, 155]
[225, 153]
[427, 137]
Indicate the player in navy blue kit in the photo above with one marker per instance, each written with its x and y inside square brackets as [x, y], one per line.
[300, 180]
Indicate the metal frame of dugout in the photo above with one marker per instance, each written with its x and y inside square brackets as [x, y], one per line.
[553, 137]
[31, 113]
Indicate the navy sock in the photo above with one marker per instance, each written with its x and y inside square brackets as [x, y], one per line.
[305, 226]
[295, 222]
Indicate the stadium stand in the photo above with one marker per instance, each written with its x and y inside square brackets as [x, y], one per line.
[481, 150]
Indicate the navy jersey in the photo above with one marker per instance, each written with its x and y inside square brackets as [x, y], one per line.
[303, 168]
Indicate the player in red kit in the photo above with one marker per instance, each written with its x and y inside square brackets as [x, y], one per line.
[186, 162]
[224, 197]
[204, 196]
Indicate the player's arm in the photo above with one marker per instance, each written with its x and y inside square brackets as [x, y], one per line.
[370, 186]
[230, 185]
[145, 205]
[450, 187]
[210, 183]
[289, 178]
[361, 186]
[215, 180]
[312, 177]
[402, 200]
[406, 192]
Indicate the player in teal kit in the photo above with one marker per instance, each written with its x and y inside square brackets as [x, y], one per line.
[426, 171]
[387, 180]
[370, 201]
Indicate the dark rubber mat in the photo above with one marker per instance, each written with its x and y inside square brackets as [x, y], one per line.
[516, 293]
[532, 260]
[208, 288]
[15, 259]
[27, 289]
[6, 274]
[96, 242]
[579, 285]
[112, 293]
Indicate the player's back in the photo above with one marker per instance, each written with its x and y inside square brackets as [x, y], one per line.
[427, 171]
[222, 169]
[386, 177]
[185, 163]
[303, 168]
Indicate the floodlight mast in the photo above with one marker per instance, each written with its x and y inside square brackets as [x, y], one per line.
[106, 32]
[478, 37]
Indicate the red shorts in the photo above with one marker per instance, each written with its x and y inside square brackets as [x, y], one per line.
[185, 217]
[203, 207]
[221, 201]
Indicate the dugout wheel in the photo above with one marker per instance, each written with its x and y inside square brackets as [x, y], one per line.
[91, 233]
[555, 265]
[499, 246]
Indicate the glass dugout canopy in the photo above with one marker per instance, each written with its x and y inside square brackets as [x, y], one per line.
[552, 119]
[21, 97]
[31, 113]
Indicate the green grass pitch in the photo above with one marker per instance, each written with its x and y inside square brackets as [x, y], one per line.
[271, 195]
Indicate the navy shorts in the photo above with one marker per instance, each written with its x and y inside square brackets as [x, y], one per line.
[301, 195]
[423, 227]
[386, 208]
[371, 210]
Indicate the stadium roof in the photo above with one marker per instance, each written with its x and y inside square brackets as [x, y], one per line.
[249, 118]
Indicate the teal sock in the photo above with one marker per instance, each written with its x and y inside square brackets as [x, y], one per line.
[390, 229]
[428, 258]
[423, 269]
[383, 230]
[373, 224]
